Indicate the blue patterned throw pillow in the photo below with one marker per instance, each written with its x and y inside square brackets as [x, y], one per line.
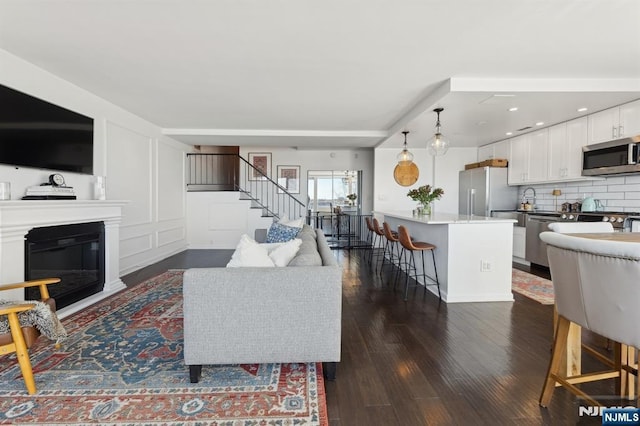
[279, 233]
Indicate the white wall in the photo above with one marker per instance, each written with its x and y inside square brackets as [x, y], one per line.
[439, 171]
[335, 159]
[217, 219]
[140, 164]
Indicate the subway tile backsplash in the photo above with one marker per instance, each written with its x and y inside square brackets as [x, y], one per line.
[618, 193]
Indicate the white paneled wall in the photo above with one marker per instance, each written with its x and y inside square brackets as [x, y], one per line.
[617, 193]
[130, 151]
[141, 166]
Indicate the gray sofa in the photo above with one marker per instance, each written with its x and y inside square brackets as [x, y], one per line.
[266, 315]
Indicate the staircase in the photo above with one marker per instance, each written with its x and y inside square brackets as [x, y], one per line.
[224, 172]
[228, 197]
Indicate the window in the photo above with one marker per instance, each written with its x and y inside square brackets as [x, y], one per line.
[329, 189]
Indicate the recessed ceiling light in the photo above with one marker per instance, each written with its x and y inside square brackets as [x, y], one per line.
[513, 109]
[509, 133]
[583, 109]
[539, 123]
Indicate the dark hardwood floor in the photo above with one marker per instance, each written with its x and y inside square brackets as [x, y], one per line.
[423, 362]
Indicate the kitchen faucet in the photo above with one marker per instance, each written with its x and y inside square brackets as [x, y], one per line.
[524, 193]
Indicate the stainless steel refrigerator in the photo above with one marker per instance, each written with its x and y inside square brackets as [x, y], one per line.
[484, 189]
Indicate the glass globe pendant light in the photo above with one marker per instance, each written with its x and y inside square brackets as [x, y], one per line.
[438, 144]
[405, 155]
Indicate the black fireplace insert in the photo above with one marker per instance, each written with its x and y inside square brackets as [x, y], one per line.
[74, 253]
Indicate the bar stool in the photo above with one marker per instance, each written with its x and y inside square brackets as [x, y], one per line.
[391, 246]
[408, 245]
[380, 234]
[372, 237]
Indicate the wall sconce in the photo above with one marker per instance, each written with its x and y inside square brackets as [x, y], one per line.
[438, 144]
[556, 193]
[406, 172]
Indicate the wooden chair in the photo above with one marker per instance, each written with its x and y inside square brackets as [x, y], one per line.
[19, 339]
[596, 286]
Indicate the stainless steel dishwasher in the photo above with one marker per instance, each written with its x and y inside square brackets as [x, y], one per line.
[536, 249]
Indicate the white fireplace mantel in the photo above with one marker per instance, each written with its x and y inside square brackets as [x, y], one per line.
[18, 217]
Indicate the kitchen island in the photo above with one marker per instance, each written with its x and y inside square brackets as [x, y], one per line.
[473, 253]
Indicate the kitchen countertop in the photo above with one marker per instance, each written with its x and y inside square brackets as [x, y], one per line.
[444, 218]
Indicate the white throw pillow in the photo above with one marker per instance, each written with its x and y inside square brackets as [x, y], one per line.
[296, 223]
[250, 253]
[283, 254]
[271, 246]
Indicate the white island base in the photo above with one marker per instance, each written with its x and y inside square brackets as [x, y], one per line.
[473, 253]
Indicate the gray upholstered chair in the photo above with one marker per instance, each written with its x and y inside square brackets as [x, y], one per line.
[580, 227]
[596, 286]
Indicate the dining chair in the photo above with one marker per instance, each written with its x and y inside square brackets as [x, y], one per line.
[596, 286]
[580, 228]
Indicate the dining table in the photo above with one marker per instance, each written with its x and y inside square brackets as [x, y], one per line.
[573, 359]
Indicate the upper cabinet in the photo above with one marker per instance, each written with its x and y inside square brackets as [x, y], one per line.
[528, 159]
[494, 150]
[565, 149]
[555, 153]
[614, 123]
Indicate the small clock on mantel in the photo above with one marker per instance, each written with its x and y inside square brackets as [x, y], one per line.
[56, 179]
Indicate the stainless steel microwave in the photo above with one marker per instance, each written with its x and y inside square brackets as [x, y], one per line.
[610, 158]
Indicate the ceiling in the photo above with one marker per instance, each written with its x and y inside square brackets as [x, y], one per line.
[335, 73]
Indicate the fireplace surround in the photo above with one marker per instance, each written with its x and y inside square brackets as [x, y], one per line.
[18, 217]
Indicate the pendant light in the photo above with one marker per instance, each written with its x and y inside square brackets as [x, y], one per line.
[405, 155]
[406, 172]
[438, 144]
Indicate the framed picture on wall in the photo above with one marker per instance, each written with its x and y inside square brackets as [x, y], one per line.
[289, 178]
[262, 162]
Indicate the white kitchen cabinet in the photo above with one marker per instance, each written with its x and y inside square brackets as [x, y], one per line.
[494, 150]
[614, 123]
[538, 149]
[502, 149]
[629, 119]
[519, 241]
[528, 159]
[485, 152]
[565, 149]
[518, 160]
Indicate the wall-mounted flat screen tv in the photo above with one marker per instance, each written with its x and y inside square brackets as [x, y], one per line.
[39, 134]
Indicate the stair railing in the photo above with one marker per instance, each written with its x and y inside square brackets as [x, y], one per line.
[220, 172]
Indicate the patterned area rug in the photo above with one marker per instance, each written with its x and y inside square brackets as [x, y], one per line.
[532, 286]
[123, 364]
